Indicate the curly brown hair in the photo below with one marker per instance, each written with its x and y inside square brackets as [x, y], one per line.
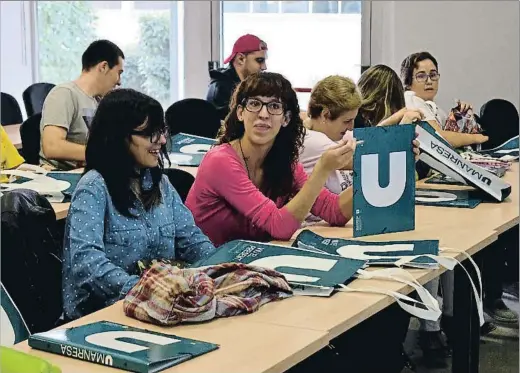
[280, 161]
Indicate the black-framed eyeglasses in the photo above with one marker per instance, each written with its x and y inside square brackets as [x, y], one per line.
[423, 77]
[254, 105]
[155, 137]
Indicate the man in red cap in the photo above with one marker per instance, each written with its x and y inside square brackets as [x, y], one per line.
[248, 57]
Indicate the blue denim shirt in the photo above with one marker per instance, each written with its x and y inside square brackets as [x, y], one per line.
[102, 247]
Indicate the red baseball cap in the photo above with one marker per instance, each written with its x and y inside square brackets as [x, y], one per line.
[246, 44]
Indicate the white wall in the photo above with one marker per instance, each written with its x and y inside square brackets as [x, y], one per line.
[476, 44]
[197, 43]
[16, 49]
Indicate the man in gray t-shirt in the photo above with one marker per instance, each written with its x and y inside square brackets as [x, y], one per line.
[69, 108]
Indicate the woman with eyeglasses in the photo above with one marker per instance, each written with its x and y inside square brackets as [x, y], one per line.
[420, 76]
[251, 186]
[124, 209]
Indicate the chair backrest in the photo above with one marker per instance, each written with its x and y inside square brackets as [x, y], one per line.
[10, 110]
[181, 181]
[194, 117]
[13, 328]
[34, 96]
[31, 258]
[30, 135]
[499, 120]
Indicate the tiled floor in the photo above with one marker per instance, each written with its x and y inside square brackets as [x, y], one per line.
[498, 350]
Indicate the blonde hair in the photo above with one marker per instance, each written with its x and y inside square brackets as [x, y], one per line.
[383, 93]
[336, 94]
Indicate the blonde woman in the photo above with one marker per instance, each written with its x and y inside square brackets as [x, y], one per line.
[333, 106]
[383, 99]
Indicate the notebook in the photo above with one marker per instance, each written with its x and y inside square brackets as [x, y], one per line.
[120, 346]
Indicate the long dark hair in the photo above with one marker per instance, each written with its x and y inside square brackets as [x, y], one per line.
[383, 94]
[119, 113]
[279, 164]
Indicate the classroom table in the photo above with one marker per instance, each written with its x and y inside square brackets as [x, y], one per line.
[13, 132]
[245, 345]
[469, 230]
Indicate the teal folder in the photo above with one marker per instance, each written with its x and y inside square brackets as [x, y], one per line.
[120, 346]
[510, 147]
[447, 198]
[384, 180]
[307, 271]
[188, 150]
[391, 251]
[14, 328]
[72, 177]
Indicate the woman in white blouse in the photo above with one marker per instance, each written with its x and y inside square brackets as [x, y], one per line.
[420, 76]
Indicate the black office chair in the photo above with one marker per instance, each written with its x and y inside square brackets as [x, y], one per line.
[10, 110]
[31, 258]
[181, 181]
[193, 116]
[30, 135]
[499, 120]
[34, 96]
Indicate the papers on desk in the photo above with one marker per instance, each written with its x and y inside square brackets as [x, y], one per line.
[309, 272]
[188, 150]
[114, 345]
[384, 180]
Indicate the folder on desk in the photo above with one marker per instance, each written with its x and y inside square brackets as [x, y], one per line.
[447, 198]
[509, 149]
[309, 272]
[439, 155]
[120, 346]
[385, 253]
[384, 180]
[188, 150]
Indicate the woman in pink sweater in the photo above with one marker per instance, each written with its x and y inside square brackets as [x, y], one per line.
[251, 186]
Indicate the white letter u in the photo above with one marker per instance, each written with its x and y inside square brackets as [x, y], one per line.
[374, 194]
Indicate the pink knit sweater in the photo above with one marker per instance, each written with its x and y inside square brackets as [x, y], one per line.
[227, 206]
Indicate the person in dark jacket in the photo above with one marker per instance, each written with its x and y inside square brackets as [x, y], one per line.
[249, 56]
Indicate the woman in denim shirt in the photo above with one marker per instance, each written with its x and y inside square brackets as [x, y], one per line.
[124, 209]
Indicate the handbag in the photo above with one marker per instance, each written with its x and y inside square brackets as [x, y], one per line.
[462, 122]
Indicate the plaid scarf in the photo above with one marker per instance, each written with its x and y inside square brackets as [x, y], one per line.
[168, 295]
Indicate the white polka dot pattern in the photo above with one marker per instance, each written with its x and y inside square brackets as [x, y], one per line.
[102, 247]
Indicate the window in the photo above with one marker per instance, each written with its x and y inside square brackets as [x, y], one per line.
[236, 6]
[325, 7]
[307, 40]
[141, 29]
[265, 6]
[295, 6]
[351, 7]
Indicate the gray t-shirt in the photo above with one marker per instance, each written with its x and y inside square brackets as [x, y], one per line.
[67, 106]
